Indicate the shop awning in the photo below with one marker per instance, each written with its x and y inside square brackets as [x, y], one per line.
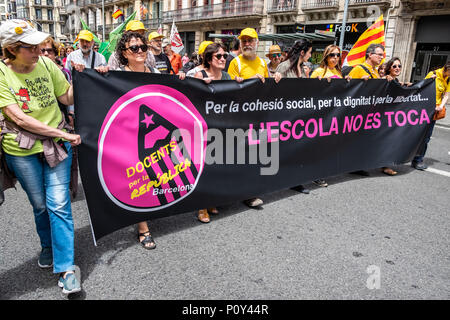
[316, 36]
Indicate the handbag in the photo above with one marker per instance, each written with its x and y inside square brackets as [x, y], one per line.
[439, 114]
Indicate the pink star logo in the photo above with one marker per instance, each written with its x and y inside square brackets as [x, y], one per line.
[148, 120]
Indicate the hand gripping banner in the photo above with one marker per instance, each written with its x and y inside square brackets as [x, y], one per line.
[154, 145]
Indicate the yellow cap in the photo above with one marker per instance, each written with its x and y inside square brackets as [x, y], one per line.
[85, 35]
[135, 25]
[273, 49]
[203, 45]
[154, 35]
[250, 32]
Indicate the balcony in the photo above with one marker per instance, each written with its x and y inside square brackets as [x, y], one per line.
[365, 3]
[318, 5]
[152, 24]
[282, 6]
[235, 9]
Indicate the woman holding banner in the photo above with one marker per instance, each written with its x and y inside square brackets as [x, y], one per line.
[35, 144]
[214, 61]
[330, 66]
[132, 54]
[293, 67]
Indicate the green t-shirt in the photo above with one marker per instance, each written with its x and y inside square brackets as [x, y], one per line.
[36, 94]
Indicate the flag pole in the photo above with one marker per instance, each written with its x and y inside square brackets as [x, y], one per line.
[344, 21]
[103, 20]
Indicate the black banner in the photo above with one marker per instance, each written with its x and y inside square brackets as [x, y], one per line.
[154, 145]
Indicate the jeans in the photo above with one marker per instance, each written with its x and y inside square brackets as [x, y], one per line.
[48, 192]
[423, 147]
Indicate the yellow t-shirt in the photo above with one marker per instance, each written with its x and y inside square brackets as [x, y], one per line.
[246, 69]
[358, 72]
[331, 73]
[441, 84]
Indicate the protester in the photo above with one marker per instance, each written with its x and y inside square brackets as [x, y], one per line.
[274, 56]
[191, 64]
[248, 65]
[393, 68]
[30, 87]
[330, 65]
[69, 50]
[86, 57]
[175, 58]
[329, 68]
[162, 61]
[201, 50]
[366, 70]
[442, 77]
[292, 67]
[213, 65]
[131, 51]
[48, 48]
[234, 52]
[185, 59]
[382, 71]
[284, 53]
[133, 26]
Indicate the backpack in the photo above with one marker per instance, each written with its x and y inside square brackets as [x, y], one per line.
[347, 69]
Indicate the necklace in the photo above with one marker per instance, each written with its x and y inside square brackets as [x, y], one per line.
[129, 67]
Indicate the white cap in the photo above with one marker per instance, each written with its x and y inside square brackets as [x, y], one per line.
[15, 30]
[165, 42]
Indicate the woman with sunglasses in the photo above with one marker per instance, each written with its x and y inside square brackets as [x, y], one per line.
[214, 61]
[35, 144]
[392, 70]
[330, 66]
[132, 52]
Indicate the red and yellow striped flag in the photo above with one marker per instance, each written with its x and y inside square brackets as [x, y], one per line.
[118, 13]
[375, 34]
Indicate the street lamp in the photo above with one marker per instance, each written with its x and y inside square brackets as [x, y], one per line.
[344, 21]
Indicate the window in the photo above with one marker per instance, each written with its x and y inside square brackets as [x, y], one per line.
[38, 2]
[50, 3]
[50, 14]
[38, 13]
[51, 28]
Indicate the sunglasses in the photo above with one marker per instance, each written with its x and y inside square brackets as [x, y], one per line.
[334, 55]
[220, 56]
[135, 48]
[274, 55]
[43, 50]
[395, 66]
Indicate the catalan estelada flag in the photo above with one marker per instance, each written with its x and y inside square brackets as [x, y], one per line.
[375, 34]
[118, 13]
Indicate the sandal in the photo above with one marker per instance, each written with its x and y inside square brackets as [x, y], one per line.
[389, 171]
[148, 242]
[213, 210]
[203, 216]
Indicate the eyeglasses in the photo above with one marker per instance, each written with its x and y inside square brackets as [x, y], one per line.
[43, 50]
[397, 66]
[31, 48]
[379, 54]
[274, 55]
[135, 48]
[220, 56]
[334, 55]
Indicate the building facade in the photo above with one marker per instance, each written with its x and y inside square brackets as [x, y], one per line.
[417, 31]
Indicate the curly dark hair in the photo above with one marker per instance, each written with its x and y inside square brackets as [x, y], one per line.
[209, 52]
[122, 45]
[389, 64]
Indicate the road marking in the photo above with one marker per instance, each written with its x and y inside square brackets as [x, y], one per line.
[442, 127]
[437, 171]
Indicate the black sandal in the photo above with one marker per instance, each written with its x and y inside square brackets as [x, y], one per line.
[148, 242]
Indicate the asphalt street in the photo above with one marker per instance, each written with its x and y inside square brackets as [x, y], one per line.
[376, 237]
